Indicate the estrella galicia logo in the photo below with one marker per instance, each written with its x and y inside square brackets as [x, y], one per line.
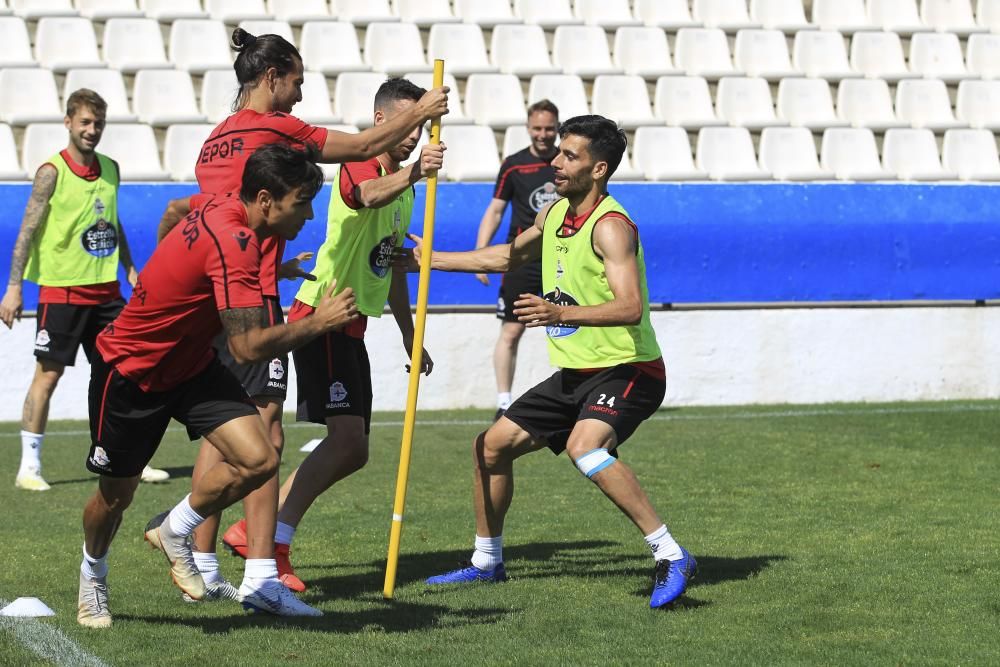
[543, 195]
[557, 296]
[100, 239]
[380, 258]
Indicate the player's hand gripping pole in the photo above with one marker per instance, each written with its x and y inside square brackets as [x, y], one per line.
[416, 358]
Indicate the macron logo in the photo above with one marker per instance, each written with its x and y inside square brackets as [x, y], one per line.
[243, 238]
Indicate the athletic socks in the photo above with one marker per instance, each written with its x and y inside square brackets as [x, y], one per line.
[663, 545]
[488, 553]
[93, 568]
[208, 566]
[283, 533]
[182, 520]
[31, 450]
[503, 400]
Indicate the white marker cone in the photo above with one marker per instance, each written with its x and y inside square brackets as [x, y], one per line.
[27, 608]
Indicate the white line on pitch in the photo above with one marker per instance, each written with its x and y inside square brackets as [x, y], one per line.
[48, 642]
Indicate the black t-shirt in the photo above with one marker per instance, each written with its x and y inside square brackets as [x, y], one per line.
[528, 182]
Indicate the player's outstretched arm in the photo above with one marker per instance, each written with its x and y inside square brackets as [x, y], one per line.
[125, 256]
[399, 304]
[379, 192]
[38, 203]
[349, 147]
[488, 226]
[175, 212]
[250, 341]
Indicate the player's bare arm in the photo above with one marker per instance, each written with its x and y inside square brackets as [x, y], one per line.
[379, 192]
[292, 269]
[34, 212]
[399, 304]
[616, 243]
[125, 256]
[351, 147]
[251, 341]
[175, 212]
[488, 226]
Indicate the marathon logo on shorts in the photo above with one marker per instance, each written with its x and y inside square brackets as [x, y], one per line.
[539, 197]
[100, 459]
[380, 258]
[337, 395]
[557, 296]
[42, 341]
[100, 239]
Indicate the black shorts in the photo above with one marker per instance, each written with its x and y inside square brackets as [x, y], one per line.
[525, 279]
[620, 396]
[127, 423]
[266, 378]
[334, 378]
[61, 328]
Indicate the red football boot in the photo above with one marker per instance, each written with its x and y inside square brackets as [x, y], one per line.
[286, 574]
[235, 538]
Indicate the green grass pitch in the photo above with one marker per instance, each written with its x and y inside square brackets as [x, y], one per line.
[830, 535]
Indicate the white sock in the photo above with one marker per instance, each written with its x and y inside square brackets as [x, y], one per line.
[93, 568]
[663, 545]
[31, 450]
[503, 400]
[284, 533]
[259, 569]
[488, 553]
[182, 520]
[208, 566]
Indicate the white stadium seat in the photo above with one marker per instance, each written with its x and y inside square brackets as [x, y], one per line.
[331, 47]
[879, 55]
[763, 53]
[37, 100]
[899, 16]
[32, 10]
[925, 103]
[746, 102]
[726, 154]
[546, 13]
[983, 56]
[133, 146]
[494, 99]
[16, 50]
[181, 148]
[315, 106]
[807, 103]
[729, 15]
[515, 138]
[685, 101]
[851, 154]
[65, 43]
[564, 90]
[988, 14]
[643, 51]
[972, 154]
[485, 13]
[199, 45]
[950, 16]
[582, 50]
[703, 52]
[461, 46]
[625, 170]
[913, 156]
[298, 12]
[978, 104]
[10, 166]
[622, 98]
[472, 153]
[938, 56]
[134, 44]
[168, 11]
[353, 96]
[455, 115]
[867, 103]
[666, 14]
[165, 97]
[609, 14]
[787, 16]
[394, 48]
[789, 153]
[40, 142]
[425, 13]
[218, 92]
[362, 12]
[521, 50]
[269, 27]
[664, 154]
[109, 84]
[102, 10]
[845, 16]
[822, 54]
[235, 11]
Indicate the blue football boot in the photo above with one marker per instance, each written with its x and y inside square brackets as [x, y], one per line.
[670, 579]
[469, 573]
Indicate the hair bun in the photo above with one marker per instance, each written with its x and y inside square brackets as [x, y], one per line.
[242, 39]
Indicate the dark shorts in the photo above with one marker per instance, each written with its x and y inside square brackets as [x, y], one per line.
[334, 378]
[620, 396]
[127, 423]
[266, 378]
[61, 328]
[526, 279]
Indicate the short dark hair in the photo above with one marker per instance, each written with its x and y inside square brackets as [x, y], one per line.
[544, 105]
[258, 53]
[395, 89]
[279, 169]
[85, 97]
[607, 140]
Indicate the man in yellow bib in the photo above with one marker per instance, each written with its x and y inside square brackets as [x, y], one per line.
[595, 311]
[70, 243]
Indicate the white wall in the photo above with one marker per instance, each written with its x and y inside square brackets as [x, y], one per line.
[722, 357]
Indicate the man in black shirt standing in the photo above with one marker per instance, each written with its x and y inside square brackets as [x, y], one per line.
[527, 181]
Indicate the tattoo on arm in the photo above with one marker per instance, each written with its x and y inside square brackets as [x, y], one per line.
[238, 321]
[41, 191]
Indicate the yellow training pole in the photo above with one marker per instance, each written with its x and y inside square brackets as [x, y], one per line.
[416, 359]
